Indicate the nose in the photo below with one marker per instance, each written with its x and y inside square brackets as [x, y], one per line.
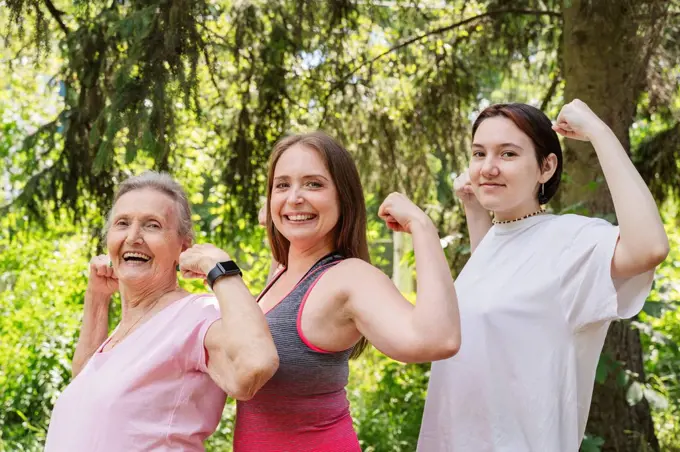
[134, 236]
[490, 167]
[294, 196]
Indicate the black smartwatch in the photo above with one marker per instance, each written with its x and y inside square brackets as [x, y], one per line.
[228, 268]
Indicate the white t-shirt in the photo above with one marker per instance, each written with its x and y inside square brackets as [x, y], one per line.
[536, 299]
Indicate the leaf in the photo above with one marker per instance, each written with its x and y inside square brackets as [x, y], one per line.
[635, 393]
[591, 444]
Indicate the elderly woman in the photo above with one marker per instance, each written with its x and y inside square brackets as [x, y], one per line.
[159, 381]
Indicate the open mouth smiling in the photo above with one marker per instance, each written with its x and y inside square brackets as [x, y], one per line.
[131, 256]
[300, 217]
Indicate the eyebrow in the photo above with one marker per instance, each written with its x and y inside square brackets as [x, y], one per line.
[309, 176]
[153, 217]
[502, 145]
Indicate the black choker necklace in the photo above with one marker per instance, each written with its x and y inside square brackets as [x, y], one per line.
[538, 212]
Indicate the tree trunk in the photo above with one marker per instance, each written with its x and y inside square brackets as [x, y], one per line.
[606, 51]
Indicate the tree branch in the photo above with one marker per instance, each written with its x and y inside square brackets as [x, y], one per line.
[57, 16]
[339, 83]
[449, 28]
[551, 91]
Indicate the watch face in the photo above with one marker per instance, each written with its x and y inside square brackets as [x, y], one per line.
[229, 266]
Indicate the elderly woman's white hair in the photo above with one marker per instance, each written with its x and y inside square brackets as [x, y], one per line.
[163, 183]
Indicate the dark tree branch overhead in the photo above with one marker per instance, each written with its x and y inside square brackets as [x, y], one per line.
[551, 91]
[57, 16]
[526, 12]
[449, 28]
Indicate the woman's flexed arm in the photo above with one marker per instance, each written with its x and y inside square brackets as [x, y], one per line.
[643, 243]
[428, 331]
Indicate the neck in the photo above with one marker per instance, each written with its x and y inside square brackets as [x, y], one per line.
[139, 299]
[516, 212]
[301, 259]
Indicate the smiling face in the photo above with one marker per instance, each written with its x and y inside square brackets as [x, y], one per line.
[504, 171]
[304, 203]
[143, 239]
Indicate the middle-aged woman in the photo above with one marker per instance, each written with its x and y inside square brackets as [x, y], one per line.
[328, 297]
[539, 291]
[158, 382]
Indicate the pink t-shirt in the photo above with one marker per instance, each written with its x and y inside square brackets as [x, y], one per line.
[150, 392]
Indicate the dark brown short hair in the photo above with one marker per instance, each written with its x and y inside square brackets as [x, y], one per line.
[536, 125]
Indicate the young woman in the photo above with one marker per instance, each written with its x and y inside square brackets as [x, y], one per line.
[328, 298]
[539, 291]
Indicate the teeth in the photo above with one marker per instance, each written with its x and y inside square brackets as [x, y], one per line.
[139, 255]
[300, 217]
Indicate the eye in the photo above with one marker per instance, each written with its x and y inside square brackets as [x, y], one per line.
[508, 154]
[153, 225]
[121, 222]
[314, 184]
[478, 153]
[281, 185]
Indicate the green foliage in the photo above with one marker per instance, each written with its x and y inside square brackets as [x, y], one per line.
[387, 401]
[42, 282]
[660, 328]
[99, 90]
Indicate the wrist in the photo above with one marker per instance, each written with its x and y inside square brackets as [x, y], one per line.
[208, 264]
[422, 223]
[598, 130]
[475, 210]
[97, 298]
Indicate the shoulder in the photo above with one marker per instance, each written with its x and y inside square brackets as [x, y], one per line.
[201, 307]
[354, 274]
[582, 236]
[571, 225]
[356, 268]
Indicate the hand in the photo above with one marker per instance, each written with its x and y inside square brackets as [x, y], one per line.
[262, 216]
[576, 120]
[103, 280]
[197, 261]
[462, 187]
[399, 213]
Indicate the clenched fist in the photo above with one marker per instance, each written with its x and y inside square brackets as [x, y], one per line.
[399, 213]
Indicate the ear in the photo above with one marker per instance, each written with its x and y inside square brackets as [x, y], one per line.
[548, 169]
[186, 244]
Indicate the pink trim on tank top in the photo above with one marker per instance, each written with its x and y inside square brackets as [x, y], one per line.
[299, 318]
[274, 279]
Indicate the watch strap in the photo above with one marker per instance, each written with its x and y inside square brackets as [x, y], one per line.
[227, 268]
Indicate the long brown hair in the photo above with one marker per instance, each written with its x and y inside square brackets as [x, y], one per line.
[350, 232]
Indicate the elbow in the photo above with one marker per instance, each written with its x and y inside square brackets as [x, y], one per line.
[447, 348]
[660, 253]
[435, 350]
[655, 255]
[252, 374]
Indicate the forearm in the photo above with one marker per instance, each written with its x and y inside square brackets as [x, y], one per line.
[641, 228]
[478, 224]
[436, 311]
[93, 332]
[247, 343]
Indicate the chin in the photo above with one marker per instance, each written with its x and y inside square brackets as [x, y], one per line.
[491, 204]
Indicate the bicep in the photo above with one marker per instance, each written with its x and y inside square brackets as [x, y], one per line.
[383, 316]
[211, 359]
[625, 264]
